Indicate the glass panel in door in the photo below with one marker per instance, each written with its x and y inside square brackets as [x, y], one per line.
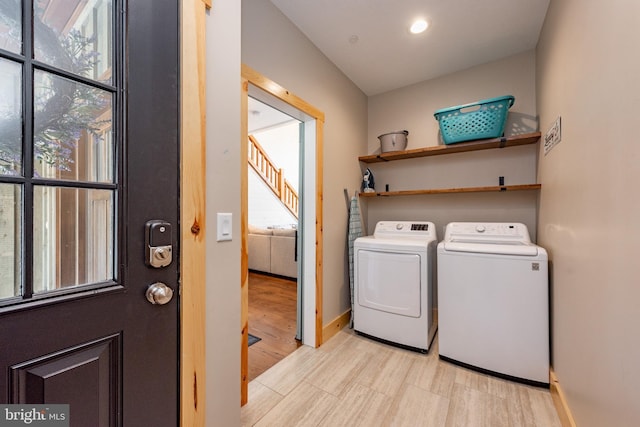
[73, 231]
[10, 240]
[75, 36]
[11, 25]
[10, 117]
[71, 130]
[59, 187]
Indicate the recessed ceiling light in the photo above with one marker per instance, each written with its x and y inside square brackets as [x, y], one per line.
[419, 26]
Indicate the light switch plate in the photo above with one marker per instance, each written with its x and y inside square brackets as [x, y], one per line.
[225, 225]
[553, 136]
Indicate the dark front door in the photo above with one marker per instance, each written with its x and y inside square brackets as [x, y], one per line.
[88, 159]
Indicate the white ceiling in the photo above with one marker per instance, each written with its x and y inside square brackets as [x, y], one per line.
[462, 34]
[262, 116]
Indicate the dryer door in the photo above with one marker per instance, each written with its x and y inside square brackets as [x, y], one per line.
[389, 281]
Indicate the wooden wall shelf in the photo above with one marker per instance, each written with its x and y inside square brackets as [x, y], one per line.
[455, 190]
[482, 144]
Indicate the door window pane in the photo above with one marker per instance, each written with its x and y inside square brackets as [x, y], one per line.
[56, 141]
[75, 39]
[73, 237]
[10, 117]
[10, 240]
[71, 130]
[11, 25]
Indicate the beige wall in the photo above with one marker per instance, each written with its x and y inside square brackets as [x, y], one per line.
[412, 108]
[273, 46]
[587, 72]
[223, 195]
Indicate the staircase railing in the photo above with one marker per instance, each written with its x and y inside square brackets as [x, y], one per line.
[272, 176]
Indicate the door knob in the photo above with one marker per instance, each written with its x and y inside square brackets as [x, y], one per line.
[159, 293]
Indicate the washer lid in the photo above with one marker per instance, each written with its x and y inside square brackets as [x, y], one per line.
[523, 249]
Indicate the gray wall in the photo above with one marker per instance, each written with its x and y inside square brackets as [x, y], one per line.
[273, 46]
[587, 72]
[412, 108]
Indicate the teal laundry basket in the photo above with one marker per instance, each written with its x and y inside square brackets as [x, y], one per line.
[477, 120]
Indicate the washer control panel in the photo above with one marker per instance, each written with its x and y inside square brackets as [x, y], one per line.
[502, 232]
[406, 229]
[420, 227]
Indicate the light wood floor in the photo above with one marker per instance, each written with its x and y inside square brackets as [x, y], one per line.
[272, 317]
[355, 381]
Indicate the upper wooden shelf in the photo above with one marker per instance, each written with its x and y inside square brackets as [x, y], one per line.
[481, 144]
[500, 188]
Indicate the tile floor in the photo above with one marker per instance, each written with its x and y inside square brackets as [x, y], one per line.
[354, 381]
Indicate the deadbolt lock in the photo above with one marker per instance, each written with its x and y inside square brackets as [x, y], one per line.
[158, 247]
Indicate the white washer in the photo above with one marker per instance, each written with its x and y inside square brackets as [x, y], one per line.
[493, 301]
[394, 281]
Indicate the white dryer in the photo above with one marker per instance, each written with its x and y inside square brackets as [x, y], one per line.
[394, 284]
[493, 301]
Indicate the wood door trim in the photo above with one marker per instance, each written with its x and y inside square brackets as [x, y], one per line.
[560, 401]
[250, 76]
[269, 86]
[192, 214]
[244, 251]
[319, 227]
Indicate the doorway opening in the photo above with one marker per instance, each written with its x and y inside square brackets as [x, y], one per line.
[274, 235]
[309, 240]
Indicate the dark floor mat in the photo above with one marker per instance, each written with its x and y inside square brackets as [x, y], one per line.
[253, 339]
